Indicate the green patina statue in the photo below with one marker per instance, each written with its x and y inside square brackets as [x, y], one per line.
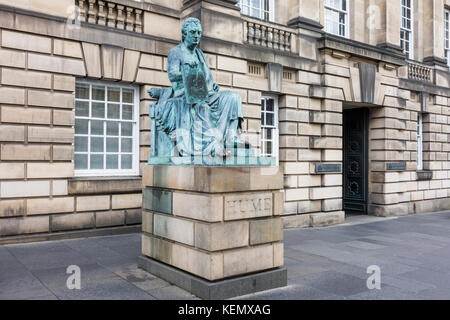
[193, 122]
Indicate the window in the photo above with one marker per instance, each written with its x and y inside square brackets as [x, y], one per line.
[106, 130]
[269, 126]
[261, 9]
[447, 34]
[419, 142]
[336, 17]
[406, 29]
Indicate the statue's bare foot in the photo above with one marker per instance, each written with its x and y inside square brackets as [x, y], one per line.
[228, 153]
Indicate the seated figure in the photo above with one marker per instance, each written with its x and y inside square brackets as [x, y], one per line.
[192, 118]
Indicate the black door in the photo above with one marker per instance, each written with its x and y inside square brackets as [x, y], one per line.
[355, 161]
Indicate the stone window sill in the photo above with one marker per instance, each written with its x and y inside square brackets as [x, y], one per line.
[104, 185]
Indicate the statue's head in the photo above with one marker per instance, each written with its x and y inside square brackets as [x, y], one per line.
[191, 33]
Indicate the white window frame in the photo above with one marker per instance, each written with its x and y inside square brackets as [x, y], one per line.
[246, 9]
[420, 141]
[328, 8]
[134, 171]
[275, 127]
[447, 34]
[405, 30]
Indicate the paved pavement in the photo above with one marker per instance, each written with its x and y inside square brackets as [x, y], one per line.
[412, 252]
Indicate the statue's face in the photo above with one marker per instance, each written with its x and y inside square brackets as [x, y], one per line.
[193, 35]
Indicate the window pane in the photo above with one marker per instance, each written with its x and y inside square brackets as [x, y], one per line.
[97, 144]
[113, 94]
[112, 128]
[127, 95]
[269, 134]
[82, 108]
[81, 144]
[127, 145]
[127, 129]
[98, 110]
[97, 127]
[81, 126]
[113, 111]
[112, 144]
[112, 161]
[127, 112]
[82, 91]
[98, 93]
[270, 119]
[97, 161]
[269, 105]
[126, 161]
[81, 161]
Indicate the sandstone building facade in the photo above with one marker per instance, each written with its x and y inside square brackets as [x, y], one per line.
[352, 97]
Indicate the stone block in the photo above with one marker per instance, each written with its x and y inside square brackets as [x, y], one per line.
[231, 64]
[21, 189]
[172, 228]
[61, 153]
[254, 97]
[126, 201]
[26, 41]
[244, 261]
[151, 62]
[12, 96]
[11, 208]
[327, 218]
[25, 152]
[278, 203]
[247, 206]
[221, 236]
[109, 218]
[146, 245]
[12, 133]
[133, 216]
[147, 222]
[162, 26]
[130, 65]
[25, 225]
[91, 53]
[155, 78]
[50, 99]
[297, 221]
[22, 78]
[26, 115]
[159, 200]
[59, 188]
[197, 206]
[63, 118]
[325, 193]
[93, 203]
[49, 206]
[56, 64]
[112, 59]
[46, 134]
[217, 179]
[74, 221]
[12, 58]
[37, 170]
[67, 48]
[278, 254]
[266, 231]
[325, 143]
[63, 83]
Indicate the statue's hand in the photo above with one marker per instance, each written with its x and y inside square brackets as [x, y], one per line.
[154, 93]
[216, 87]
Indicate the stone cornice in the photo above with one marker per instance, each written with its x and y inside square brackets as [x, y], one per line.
[356, 48]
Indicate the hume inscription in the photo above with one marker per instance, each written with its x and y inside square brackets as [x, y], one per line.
[248, 206]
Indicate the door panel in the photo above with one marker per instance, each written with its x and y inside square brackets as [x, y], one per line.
[355, 160]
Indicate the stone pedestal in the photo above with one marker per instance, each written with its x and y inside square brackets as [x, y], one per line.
[214, 231]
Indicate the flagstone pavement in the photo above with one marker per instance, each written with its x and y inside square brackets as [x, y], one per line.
[412, 254]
